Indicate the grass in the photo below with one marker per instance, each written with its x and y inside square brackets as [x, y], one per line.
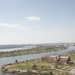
[44, 66]
[41, 66]
[72, 56]
[28, 65]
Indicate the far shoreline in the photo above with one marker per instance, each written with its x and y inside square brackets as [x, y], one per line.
[35, 50]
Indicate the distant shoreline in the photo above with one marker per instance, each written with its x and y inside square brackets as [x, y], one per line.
[39, 49]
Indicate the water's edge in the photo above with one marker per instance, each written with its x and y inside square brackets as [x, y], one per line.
[6, 60]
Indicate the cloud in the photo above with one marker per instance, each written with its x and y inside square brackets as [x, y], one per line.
[9, 25]
[16, 26]
[33, 18]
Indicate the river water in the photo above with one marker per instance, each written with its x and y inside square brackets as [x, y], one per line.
[6, 60]
[20, 48]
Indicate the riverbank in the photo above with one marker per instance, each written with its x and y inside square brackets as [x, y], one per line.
[39, 49]
[32, 67]
[35, 67]
[30, 57]
[6, 60]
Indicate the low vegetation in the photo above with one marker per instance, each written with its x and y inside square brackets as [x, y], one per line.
[39, 49]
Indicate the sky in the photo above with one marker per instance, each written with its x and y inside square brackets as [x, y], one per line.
[37, 21]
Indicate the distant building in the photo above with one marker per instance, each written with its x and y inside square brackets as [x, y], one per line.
[57, 59]
[53, 59]
[64, 59]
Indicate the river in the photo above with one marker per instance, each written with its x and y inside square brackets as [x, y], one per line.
[6, 60]
[18, 48]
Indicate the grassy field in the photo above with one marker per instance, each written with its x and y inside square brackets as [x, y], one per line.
[41, 66]
[55, 68]
[28, 65]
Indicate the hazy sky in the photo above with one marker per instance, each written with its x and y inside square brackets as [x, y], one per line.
[37, 21]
